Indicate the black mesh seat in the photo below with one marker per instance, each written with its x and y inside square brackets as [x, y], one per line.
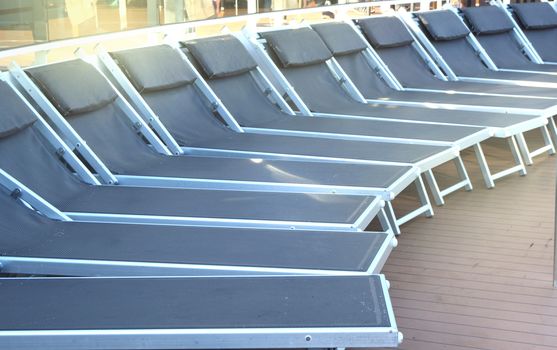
[28, 235]
[154, 313]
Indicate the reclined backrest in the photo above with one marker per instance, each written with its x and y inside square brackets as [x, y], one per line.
[493, 29]
[165, 81]
[539, 23]
[535, 16]
[347, 47]
[448, 35]
[26, 155]
[88, 105]
[227, 65]
[443, 25]
[486, 20]
[301, 55]
[392, 41]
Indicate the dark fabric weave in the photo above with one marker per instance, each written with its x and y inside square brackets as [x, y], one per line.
[70, 95]
[26, 233]
[443, 25]
[536, 15]
[154, 68]
[209, 54]
[193, 303]
[486, 20]
[340, 38]
[383, 32]
[297, 47]
[16, 115]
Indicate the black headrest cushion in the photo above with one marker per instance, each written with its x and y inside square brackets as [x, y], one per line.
[340, 38]
[443, 25]
[221, 56]
[73, 87]
[154, 68]
[298, 47]
[385, 32]
[15, 114]
[488, 20]
[536, 15]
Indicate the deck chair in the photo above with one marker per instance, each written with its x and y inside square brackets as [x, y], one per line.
[419, 67]
[33, 159]
[31, 243]
[148, 168]
[321, 92]
[270, 113]
[398, 54]
[313, 87]
[538, 22]
[388, 48]
[192, 123]
[454, 42]
[196, 313]
[495, 31]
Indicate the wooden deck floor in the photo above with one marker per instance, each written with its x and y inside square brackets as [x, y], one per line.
[478, 275]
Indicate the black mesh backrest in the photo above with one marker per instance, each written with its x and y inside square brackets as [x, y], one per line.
[16, 116]
[106, 129]
[186, 114]
[485, 20]
[535, 16]
[443, 25]
[340, 38]
[245, 100]
[26, 155]
[209, 54]
[74, 87]
[297, 47]
[182, 109]
[154, 68]
[363, 76]
[385, 32]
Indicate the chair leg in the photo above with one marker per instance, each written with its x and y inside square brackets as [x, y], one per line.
[547, 140]
[552, 129]
[484, 167]
[385, 221]
[516, 154]
[424, 198]
[391, 217]
[435, 191]
[462, 173]
[524, 148]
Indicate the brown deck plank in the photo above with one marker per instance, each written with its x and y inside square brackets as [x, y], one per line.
[478, 274]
